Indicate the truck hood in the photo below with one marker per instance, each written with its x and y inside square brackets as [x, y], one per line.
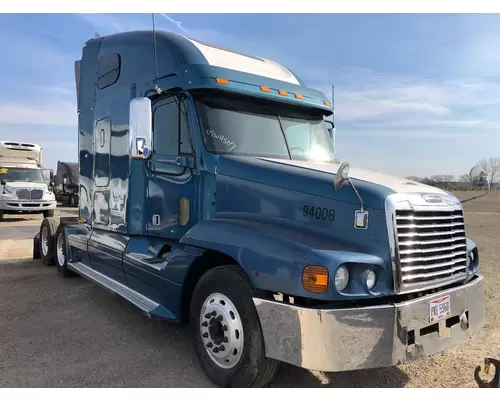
[316, 178]
[25, 185]
[397, 185]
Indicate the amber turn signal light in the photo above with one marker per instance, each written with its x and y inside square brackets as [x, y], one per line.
[315, 279]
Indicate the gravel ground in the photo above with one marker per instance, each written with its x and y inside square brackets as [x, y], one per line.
[57, 332]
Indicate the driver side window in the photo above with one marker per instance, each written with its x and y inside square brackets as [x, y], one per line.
[170, 128]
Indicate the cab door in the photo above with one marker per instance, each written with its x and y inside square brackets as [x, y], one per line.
[171, 210]
[170, 195]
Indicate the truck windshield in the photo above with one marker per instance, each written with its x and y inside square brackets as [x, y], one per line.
[21, 174]
[240, 125]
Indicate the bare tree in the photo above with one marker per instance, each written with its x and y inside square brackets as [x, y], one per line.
[465, 178]
[492, 167]
[429, 181]
[443, 181]
[414, 178]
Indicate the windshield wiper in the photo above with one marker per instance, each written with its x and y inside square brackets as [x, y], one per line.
[284, 136]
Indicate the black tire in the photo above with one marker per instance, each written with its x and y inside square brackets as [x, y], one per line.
[62, 268]
[50, 225]
[1, 215]
[253, 369]
[48, 213]
[36, 247]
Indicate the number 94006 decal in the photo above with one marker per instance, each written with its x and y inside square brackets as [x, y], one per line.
[323, 213]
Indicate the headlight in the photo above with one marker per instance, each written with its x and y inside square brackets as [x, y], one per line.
[371, 279]
[341, 278]
[472, 264]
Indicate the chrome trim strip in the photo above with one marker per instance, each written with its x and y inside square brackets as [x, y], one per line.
[142, 302]
[139, 259]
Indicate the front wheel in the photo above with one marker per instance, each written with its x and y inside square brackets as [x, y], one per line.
[228, 338]
[71, 201]
[48, 213]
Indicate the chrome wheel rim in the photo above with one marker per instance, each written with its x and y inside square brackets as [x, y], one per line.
[221, 330]
[44, 241]
[61, 257]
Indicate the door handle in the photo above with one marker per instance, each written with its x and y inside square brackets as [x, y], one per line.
[184, 161]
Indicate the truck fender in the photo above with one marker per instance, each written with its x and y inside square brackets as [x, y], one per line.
[269, 253]
[471, 245]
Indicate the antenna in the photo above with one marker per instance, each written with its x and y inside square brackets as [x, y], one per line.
[158, 90]
[333, 120]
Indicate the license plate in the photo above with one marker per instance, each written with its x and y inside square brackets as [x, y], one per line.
[439, 309]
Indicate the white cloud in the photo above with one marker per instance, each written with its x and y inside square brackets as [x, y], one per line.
[419, 134]
[401, 102]
[57, 114]
[105, 24]
[175, 22]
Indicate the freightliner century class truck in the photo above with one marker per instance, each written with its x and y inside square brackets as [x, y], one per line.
[209, 195]
[23, 189]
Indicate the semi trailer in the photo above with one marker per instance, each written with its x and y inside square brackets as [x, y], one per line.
[210, 196]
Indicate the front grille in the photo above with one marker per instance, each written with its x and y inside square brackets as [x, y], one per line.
[27, 194]
[432, 247]
[23, 194]
[36, 194]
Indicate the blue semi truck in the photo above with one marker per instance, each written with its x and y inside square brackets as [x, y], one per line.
[209, 195]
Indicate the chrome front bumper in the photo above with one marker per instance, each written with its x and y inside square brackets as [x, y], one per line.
[368, 337]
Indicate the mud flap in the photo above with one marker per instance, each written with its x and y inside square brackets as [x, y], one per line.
[36, 247]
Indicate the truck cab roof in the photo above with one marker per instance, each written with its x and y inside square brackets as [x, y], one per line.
[189, 64]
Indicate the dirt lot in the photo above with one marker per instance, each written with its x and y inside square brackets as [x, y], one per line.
[69, 332]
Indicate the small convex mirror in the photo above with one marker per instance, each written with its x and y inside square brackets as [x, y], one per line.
[330, 128]
[141, 127]
[342, 176]
[478, 177]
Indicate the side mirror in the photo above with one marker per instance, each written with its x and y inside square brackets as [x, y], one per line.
[478, 177]
[51, 174]
[330, 129]
[140, 127]
[342, 176]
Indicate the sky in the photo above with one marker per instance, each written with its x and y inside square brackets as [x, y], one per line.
[414, 94]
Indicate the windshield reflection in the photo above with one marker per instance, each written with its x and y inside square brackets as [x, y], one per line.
[21, 175]
[241, 125]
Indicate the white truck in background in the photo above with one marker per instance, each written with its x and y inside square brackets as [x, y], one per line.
[23, 189]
